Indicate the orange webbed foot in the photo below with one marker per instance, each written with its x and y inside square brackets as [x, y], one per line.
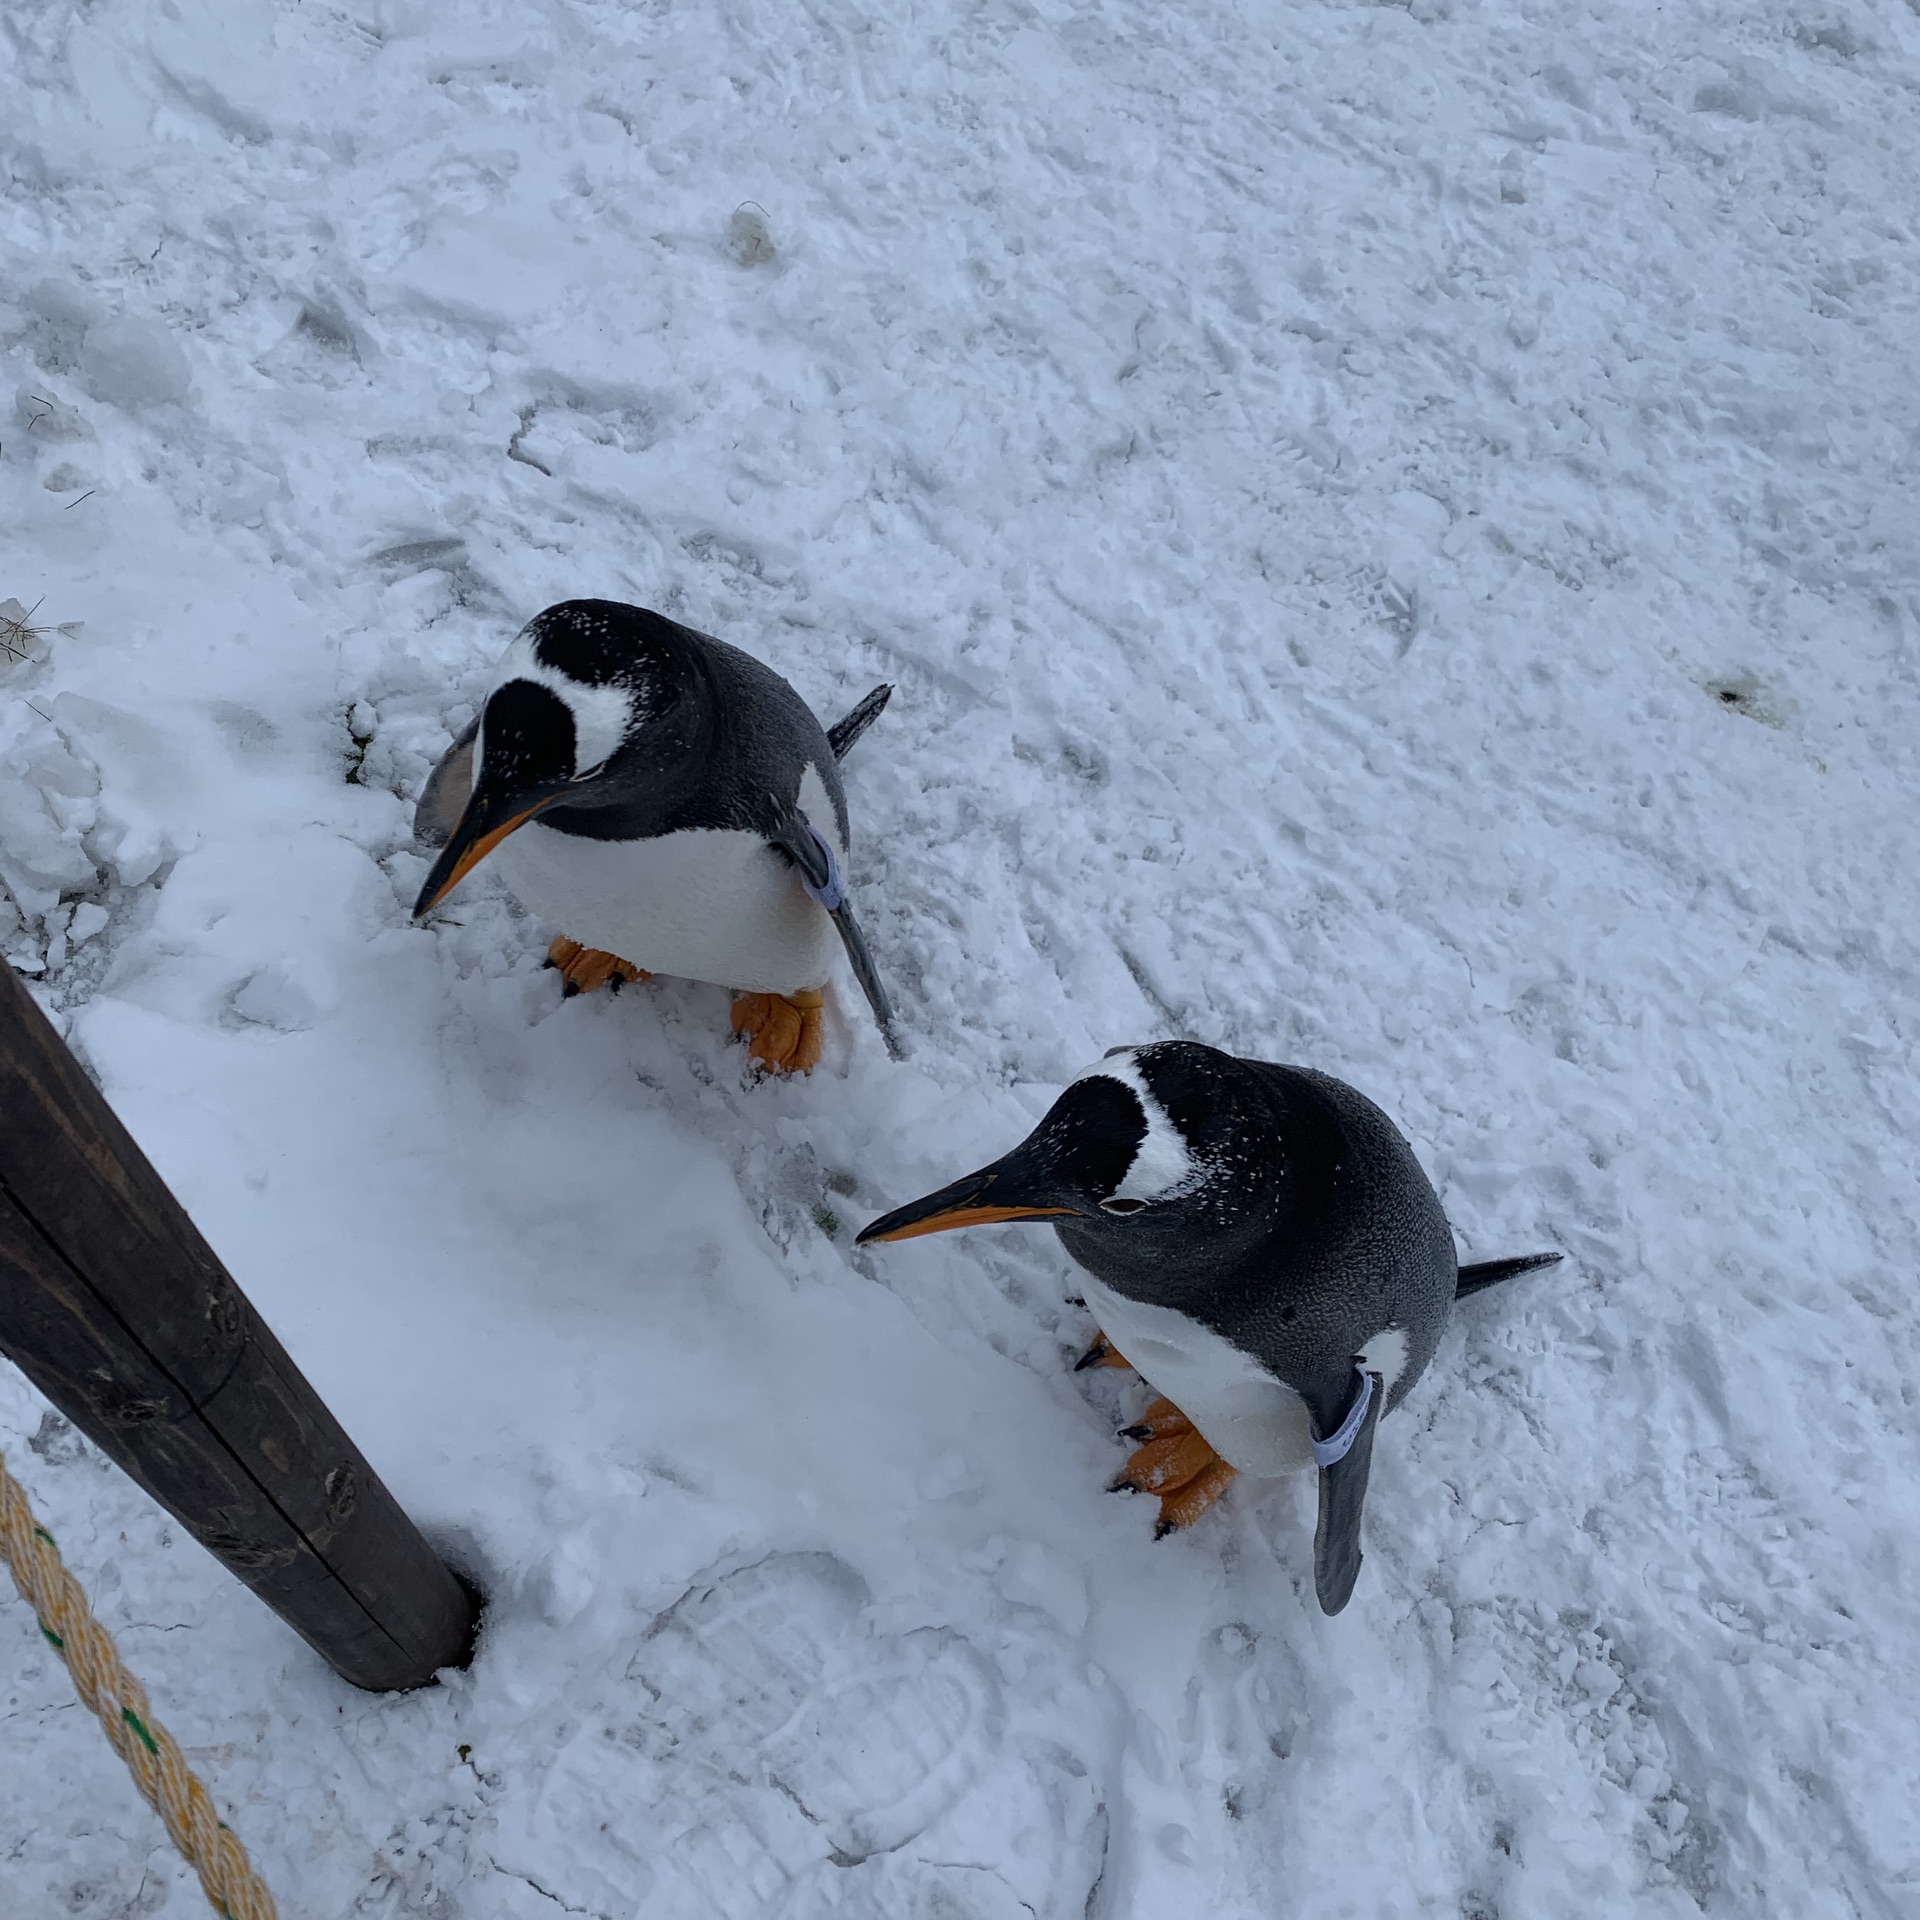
[1176, 1463]
[1103, 1353]
[784, 1030]
[584, 969]
[1161, 1421]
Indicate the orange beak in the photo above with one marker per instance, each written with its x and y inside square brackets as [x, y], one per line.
[962, 1217]
[468, 845]
[970, 1203]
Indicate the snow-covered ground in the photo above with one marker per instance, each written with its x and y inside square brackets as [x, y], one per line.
[1394, 531]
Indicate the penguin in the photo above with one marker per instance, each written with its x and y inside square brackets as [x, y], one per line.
[1260, 1243]
[673, 806]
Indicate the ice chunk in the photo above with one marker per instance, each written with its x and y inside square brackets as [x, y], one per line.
[150, 779]
[749, 238]
[45, 810]
[46, 417]
[88, 918]
[274, 997]
[133, 363]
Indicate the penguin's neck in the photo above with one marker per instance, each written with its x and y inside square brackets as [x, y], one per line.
[1197, 1254]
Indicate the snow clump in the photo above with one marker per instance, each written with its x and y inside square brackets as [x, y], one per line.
[132, 363]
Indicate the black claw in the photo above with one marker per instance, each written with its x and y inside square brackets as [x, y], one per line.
[615, 982]
[570, 989]
[1092, 1357]
[1135, 1433]
[1123, 1485]
[1161, 1528]
[549, 962]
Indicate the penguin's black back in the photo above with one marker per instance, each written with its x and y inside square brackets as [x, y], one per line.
[1316, 1230]
[724, 740]
[1369, 1248]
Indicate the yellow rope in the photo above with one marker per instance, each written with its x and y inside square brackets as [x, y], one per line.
[150, 1751]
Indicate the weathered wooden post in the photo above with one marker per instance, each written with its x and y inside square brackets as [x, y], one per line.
[119, 1312]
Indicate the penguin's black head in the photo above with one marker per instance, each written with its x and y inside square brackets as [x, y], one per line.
[589, 703]
[1153, 1138]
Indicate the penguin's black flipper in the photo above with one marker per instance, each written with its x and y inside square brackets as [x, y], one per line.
[864, 971]
[820, 873]
[1343, 1496]
[444, 798]
[842, 735]
[1489, 1273]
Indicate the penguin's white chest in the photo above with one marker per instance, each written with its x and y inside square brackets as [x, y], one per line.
[1250, 1419]
[706, 904]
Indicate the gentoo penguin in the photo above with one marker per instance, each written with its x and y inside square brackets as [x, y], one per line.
[1258, 1241]
[672, 805]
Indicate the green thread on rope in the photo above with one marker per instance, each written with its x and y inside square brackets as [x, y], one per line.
[47, 1537]
[53, 1639]
[133, 1720]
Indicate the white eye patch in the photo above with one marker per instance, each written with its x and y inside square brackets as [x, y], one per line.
[602, 716]
[1162, 1166]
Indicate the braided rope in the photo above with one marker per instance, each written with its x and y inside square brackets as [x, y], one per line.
[103, 1683]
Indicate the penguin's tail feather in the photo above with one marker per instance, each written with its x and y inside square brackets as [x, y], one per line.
[842, 735]
[1489, 1273]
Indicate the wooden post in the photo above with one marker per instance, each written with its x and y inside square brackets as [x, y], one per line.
[117, 1310]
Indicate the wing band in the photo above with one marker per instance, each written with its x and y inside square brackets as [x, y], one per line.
[832, 892]
[1338, 1444]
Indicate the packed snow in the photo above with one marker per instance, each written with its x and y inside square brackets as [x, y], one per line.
[1394, 532]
